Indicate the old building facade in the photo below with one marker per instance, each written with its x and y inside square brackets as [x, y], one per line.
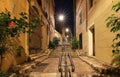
[44, 32]
[81, 22]
[94, 38]
[39, 39]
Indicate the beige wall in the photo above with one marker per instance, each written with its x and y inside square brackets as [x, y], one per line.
[52, 19]
[96, 19]
[103, 38]
[81, 28]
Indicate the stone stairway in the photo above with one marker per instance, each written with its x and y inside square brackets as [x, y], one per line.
[99, 66]
[38, 74]
[25, 68]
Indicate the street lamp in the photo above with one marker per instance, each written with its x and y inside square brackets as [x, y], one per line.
[67, 30]
[68, 33]
[67, 36]
[61, 17]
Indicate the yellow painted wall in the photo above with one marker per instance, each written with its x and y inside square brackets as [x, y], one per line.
[15, 7]
[44, 38]
[45, 24]
[103, 37]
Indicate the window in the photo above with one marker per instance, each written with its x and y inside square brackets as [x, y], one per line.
[46, 7]
[39, 2]
[81, 17]
[80, 41]
[90, 3]
[35, 9]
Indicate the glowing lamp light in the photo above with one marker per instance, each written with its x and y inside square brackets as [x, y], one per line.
[61, 17]
[67, 30]
[67, 36]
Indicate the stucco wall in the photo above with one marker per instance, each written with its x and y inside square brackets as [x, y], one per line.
[103, 37]
[97, 15]
[81, 28]
[10, 57]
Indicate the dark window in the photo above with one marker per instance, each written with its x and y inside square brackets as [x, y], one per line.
[39, 2]
[90, 3]
[35, 9]
[80, 41]
[81, 17]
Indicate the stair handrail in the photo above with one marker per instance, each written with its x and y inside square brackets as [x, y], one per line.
[71, 61]
[65, 67]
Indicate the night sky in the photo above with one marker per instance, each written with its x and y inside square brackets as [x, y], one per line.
[64, 7]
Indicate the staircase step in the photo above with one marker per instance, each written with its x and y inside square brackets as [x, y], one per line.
[39, 74]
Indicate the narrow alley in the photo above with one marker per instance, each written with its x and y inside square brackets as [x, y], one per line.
[59, 38]
[49, 67]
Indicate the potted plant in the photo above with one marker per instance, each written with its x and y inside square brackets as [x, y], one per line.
[51, 45]
[74, 44]
[56, 40]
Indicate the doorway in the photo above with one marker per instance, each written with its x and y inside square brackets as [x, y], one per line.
[80, 41]
[91, 34]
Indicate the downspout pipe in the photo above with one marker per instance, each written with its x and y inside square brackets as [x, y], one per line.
[86, 16]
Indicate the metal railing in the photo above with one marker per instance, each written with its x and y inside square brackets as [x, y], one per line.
[71, 61]
[65, 65]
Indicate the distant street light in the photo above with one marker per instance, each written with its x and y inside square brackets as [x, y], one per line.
[67, 36]
[67, 29]
[61, 17]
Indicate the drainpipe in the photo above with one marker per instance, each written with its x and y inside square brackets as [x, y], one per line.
[86, 16]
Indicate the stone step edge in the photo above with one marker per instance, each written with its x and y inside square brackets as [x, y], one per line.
[103, 70]
[32, 65]
[97, 68]
[39, 74]
[36, 57]
[103, 63]
[46, 53]
[24, 70]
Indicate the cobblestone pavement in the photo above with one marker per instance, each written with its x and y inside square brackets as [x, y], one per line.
[51, 65]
